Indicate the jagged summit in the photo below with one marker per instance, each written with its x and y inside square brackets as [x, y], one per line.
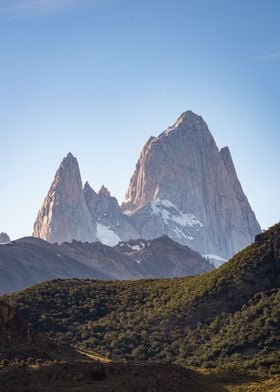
[69, 157]
[69, 162]
[225, 150]
[87, 187]
[186, 119]
[69, 168]
[186, 146]
[189, 123]
[103, 191]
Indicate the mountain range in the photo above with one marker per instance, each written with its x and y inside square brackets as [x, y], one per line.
[183, 187]
[30, 260]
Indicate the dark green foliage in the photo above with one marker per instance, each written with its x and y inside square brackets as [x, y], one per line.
[231, 315]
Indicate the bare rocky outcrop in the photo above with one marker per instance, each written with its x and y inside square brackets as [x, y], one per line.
[4, 238]
[111, 223]
[185, 187]
[64, 215]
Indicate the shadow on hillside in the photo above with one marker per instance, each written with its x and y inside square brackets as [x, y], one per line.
[88, 376]
[199, 382]
[219, 382]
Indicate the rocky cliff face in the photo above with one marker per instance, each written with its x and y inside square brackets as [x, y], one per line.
[64, 215]
[183, 186]
[111, 223]
[4, 238]
[73, 212]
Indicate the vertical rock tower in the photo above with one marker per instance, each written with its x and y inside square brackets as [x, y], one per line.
[64, 215]
[185, 187]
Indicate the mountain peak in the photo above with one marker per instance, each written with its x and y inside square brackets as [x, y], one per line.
[103, 191]
[225, 151]
[69, 156]
[88, 188]
[68, 170]
[188, 114]
[187, 119]
[69, 159]
[64, 215]
[183, 186]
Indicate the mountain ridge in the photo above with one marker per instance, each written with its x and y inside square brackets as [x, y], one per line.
[30, 260]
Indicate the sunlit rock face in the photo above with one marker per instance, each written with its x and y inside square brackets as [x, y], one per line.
[73, 212]
[183, 186]
[64, 215]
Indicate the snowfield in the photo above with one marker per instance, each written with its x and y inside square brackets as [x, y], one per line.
[170, 212]
[106, 236]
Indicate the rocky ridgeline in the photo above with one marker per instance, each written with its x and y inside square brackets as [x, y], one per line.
[183, 186]
[30, 260]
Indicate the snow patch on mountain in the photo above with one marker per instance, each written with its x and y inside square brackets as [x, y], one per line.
[106, 235]
[127, 212]
[135, 247]
[169, 212]
[215, 260]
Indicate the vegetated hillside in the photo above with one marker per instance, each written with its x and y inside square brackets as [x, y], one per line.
[30, 362]
[19, 342]
[89, 376]
[230, 315]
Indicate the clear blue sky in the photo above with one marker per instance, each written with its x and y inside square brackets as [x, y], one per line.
[98, 77]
